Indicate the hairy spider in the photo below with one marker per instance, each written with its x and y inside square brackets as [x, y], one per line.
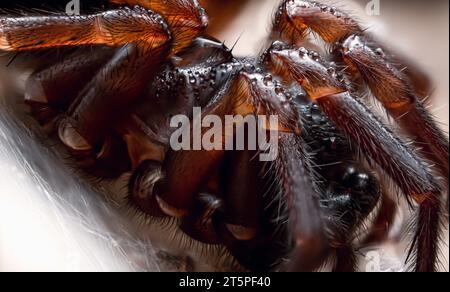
[150, 61]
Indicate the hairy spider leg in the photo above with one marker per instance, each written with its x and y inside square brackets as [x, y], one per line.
[375, 139]
[113, 28]
[186, 18]
[348, 191]
[295, 173]
[400, 89]
[51, 89]
[296, 19]
[111, 94]
[392, 88]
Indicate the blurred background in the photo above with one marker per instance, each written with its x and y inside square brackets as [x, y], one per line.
[51, 220]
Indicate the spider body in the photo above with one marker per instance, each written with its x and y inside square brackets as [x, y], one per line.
[112, 109]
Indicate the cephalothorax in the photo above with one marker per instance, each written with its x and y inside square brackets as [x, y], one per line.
[111, 108]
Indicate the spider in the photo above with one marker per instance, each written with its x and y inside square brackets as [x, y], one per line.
[151, 60]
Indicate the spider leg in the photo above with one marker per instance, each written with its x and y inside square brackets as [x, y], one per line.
[114, 90]
[412, 175]
[385, 219]
[349, 193]
[186, 18]
[110, 96]
[294, 20]
[375, 140]
[312, 246]
[110, 28]
[52, 89]
[391, 87]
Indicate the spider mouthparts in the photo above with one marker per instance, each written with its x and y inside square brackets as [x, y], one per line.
[71, 138]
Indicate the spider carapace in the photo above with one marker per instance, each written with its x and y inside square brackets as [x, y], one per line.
[151, 61]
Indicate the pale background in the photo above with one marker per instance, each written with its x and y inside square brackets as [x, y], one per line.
[52, 221]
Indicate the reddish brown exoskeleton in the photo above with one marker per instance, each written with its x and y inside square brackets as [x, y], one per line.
[151, 61]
